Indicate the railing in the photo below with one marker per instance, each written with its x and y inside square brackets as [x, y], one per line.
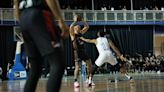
[117, 15]
[7, 14]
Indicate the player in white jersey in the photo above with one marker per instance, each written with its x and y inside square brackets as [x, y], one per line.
[105, 53]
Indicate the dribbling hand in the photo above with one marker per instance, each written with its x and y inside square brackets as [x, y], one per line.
[123, 58]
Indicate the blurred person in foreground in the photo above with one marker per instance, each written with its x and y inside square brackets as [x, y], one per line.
[42, 40]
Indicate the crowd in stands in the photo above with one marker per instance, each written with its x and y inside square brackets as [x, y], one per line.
[142, 64]
[108, 5]
[148, 63]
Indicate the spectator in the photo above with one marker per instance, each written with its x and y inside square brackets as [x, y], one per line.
[124, 8]
[68, 7]
[112, 8]
[162, 8]
[145, 8]
[156, 8]
[120, 7]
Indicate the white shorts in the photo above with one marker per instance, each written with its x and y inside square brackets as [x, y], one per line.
[106, 57]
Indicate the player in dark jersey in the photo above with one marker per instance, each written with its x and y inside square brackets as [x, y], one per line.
[42, 40]
[79, 50]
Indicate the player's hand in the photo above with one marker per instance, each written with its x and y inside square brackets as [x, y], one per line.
[82, 38]
[123, 58]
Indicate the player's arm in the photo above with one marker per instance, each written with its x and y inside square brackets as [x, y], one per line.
[86, 27]
[55, 9]
[16, 7]
[71, 30]
[72, 26]
[88, 40]
[116, 51]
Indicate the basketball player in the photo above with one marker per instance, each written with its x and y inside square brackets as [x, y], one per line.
[42, 40]
[105, 54]
[78, 47]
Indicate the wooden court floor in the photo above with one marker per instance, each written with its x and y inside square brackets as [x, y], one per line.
[140, 83]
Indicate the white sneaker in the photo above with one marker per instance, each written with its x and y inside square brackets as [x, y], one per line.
[76, 84]
[115, 81]
[76, 89]
[93, 84]
[87, 81]
[90, 83]
[130, 78]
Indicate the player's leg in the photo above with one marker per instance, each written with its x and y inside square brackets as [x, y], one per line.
[112, 61]
[34, 74]
[83, 56]
[89, 71]
[123, 70]
[76, 74]
[57, 66]
[87, 60]
[89, 67]
[77, 67]
[34, 57]
[98, 63]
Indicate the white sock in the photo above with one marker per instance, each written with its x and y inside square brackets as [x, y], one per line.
[116, 75]
[90, 80]
[127, 76]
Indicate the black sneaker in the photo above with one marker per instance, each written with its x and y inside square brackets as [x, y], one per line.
[130, 78]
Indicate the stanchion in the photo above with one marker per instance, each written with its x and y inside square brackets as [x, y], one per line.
[18, 71]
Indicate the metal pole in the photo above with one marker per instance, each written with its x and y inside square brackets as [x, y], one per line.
[154, 40]
[1, 15]
[92, 4]
[131, 4]
[104, 28]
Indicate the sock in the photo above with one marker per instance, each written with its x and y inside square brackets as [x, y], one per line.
[127, 76]
[90, 80]
[116, 75]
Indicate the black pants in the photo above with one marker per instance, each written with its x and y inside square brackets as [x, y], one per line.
[39, 31]
[56, 72]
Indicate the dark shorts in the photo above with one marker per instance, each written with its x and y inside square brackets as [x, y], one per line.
[115, 67]
[81, 56]
[39, 30]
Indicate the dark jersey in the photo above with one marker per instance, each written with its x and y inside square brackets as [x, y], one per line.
[33, 3]
[39, 30]
[79, 50]
[79, 42]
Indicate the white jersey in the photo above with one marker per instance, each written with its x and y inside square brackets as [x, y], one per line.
[102, 44]
[105, 54]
